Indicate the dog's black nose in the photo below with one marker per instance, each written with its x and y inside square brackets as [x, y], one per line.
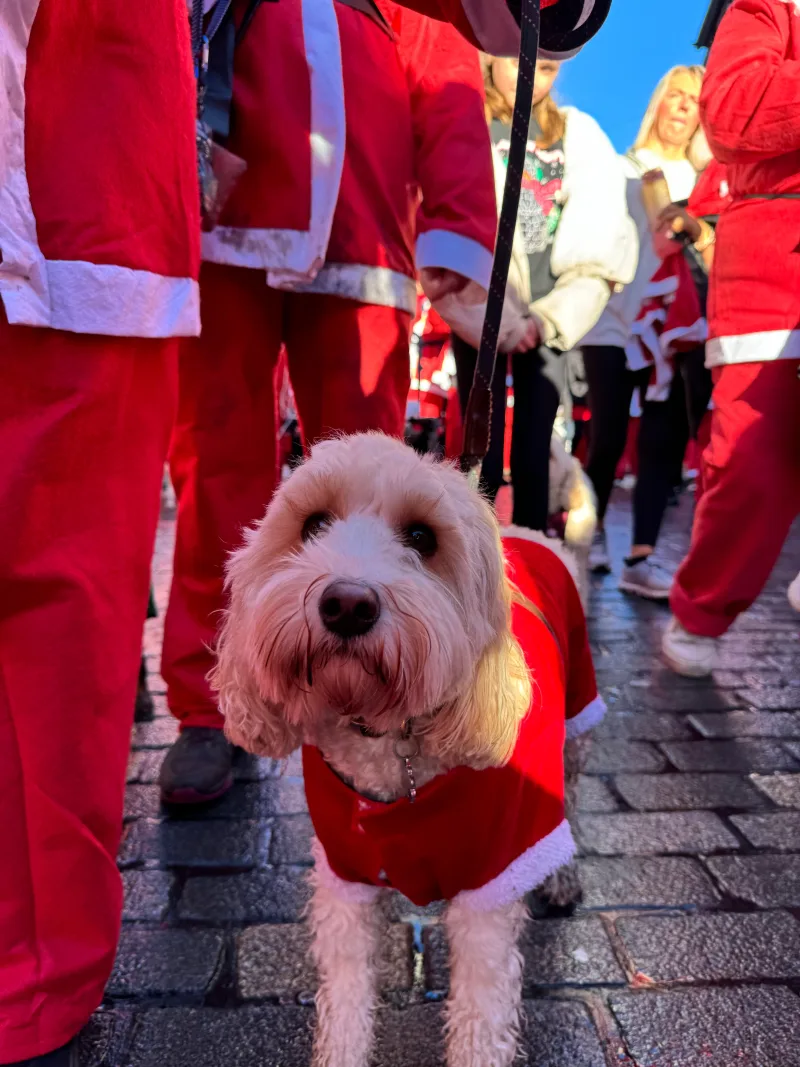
[349, 609]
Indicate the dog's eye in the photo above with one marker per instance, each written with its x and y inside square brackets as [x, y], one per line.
[315, 524]
[421, 538]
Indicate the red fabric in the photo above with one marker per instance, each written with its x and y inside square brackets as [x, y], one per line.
[349, 368]
[93, 72]
[750, 105]
[466, 826]
[453, 11]
[711, 195]
[751, 494]
[84, 423]
[415, 126]
[669, 321]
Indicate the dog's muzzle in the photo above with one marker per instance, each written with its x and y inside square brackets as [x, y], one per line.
[349, 609]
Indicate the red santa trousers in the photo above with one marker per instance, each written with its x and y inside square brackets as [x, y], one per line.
[84, 428]
[349, 365]
[751, 494]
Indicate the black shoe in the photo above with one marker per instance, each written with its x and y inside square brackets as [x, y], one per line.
[144, 710]
[198, 768]
[66, 1056]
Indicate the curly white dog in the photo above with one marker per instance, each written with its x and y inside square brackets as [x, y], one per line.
[372, 620]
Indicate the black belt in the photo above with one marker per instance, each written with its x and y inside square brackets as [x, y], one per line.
[767, 196]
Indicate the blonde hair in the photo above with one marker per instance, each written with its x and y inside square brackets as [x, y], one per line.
[549, 119]
[647, 127]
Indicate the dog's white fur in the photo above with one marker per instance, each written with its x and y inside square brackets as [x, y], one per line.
[573, 493]
[442, 654]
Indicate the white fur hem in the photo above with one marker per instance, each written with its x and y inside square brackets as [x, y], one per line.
[525, 873]
[349, 892]
[587, 719]
[522, 533]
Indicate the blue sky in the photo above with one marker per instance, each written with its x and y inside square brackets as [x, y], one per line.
[614, 75]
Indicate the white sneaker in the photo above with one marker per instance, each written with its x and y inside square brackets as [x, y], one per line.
[647, 578]
[688, 654]
[794, 593]
[599, 559]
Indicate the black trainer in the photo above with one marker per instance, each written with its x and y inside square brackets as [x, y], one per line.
[198, 768]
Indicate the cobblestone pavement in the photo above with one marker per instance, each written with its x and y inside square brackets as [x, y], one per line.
[685, 952]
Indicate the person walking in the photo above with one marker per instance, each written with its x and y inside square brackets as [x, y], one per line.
[750, 108]
[573, 244]
[616, 366]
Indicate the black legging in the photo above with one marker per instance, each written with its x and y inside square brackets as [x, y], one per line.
[539, 384]
[664, 430]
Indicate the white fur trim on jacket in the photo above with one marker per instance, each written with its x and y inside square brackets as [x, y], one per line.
[760, 347]
[587, 719]
[596, 243]
[292, 256]
[369, 285]
[71, 295]
[350, 892]
[441, 248]
[525, 873]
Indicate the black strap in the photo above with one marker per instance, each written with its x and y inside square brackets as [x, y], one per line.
[478, 415]
[372, 11]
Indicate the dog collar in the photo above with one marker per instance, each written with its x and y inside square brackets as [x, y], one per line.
[406, 748]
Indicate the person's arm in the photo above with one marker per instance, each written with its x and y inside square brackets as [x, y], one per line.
[596, 245]
[456, 220]
[750, 101]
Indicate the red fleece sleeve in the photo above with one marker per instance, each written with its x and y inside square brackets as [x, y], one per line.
[750, 103]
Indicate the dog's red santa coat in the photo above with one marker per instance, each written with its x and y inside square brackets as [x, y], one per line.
[486, 837]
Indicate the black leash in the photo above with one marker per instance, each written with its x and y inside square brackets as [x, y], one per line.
[477, 418]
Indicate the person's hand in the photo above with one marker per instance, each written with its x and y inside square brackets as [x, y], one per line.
[438, 282]
[674, 219]
[530, 339]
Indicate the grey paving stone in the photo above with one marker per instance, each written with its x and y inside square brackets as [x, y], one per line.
[749, 1027]
[249, 768]
[745, 756]
[645, 882]
[594, 795]
[716, 947]
[558, 952]
[768, 881]
[146, 895]
[612, 757]
[748, 724]
[685, 792]
[135, 761]
[103, 1040]
[560, 1034]
[291, 840]
[231, 844]
[793, 748]
[644, 726]
[150, 765]
[787, 698]
[277, 895]
[782, 789]
[671, 698]
[160, 733]
[142, 802]
[653, 833]
[276, 960]
[165, 962]
[778, 830]
[208, 1037]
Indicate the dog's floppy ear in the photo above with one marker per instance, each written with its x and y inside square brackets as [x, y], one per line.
[480, 728]
[251, 721]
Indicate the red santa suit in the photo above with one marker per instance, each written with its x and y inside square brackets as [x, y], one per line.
[751, 117]
[99, 253]
[486, 837]
[317, 251]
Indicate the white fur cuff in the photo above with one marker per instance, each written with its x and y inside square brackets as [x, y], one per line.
[587, 719]
[349, 892]
[525, 873]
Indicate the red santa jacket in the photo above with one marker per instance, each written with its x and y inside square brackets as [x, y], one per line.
[490, 836]
[98, 173]
[346, 206]
[712, 193]
[750, 107]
